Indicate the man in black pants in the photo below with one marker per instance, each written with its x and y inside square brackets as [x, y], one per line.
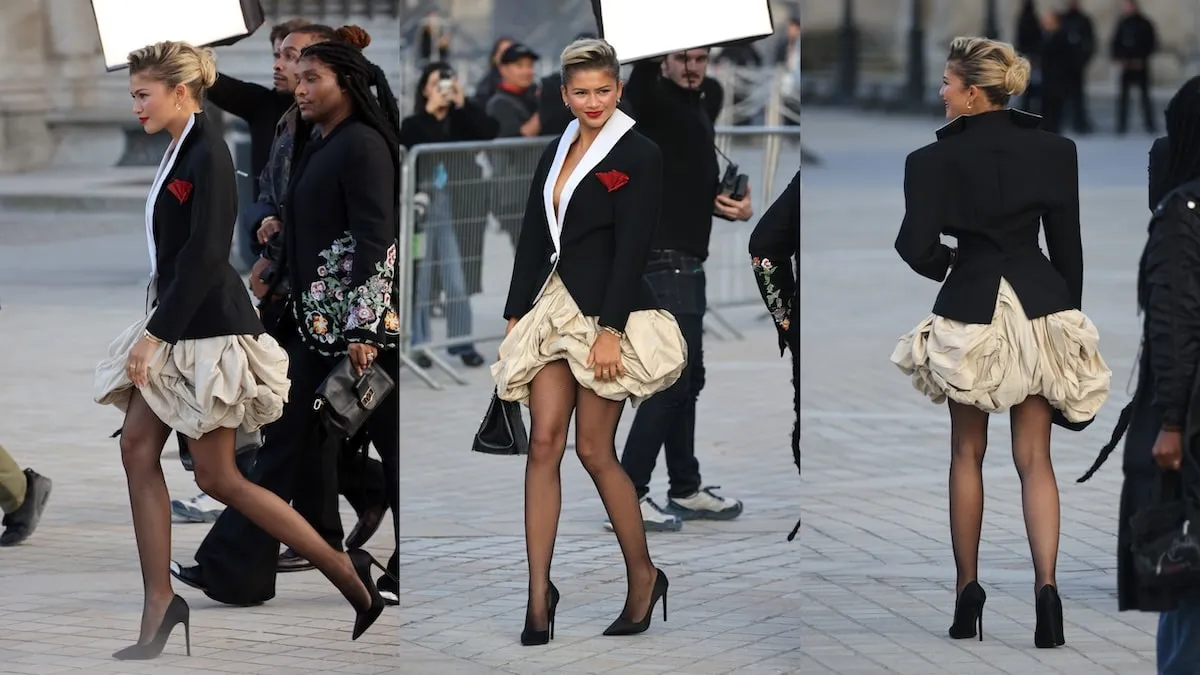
[1134, 42]
[676, 105]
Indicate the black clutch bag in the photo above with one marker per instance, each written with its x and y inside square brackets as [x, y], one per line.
[346, 399]
[1165, 540]
[502, 431]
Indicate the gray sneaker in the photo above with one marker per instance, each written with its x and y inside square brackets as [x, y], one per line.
[704, 505]
[654, 518]
[198, 509]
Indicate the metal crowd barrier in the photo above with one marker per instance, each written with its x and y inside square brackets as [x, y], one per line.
[461, 206]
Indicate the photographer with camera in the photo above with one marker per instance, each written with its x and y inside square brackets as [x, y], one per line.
[442, 115]
[676, 105]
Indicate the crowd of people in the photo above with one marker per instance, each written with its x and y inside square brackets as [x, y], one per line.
[1007, 334]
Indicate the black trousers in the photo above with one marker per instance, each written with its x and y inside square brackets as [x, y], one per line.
[1075, 101]
[238, 560]
[1131, 78]
[668, 419]
[357, 477]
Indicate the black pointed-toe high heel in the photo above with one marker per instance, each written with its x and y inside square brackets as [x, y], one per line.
[363, 618]
[968, 612]
[177, 613]
[531, 637]
[1049, 631]
[624, 626]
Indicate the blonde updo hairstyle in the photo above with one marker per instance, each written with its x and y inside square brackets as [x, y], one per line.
[589, 54]
[993, 66]
[176, 63]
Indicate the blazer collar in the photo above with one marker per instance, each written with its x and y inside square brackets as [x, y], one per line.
[614, 130]
[1005, 117]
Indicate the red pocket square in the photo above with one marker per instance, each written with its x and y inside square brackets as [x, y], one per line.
[613, 179]
[181, 189]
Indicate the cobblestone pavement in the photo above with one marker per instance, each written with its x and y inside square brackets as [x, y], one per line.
[72, 593]
[876, 583]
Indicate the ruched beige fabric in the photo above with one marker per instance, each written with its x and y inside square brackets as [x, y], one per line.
[653, 351]
[998, 365]
[197, 386]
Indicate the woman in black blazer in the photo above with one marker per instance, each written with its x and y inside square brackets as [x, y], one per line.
[584, 330]
[199, 362]
[1006, 331]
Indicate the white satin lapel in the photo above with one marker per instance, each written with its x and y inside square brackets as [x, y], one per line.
[616, 127]
[164, 169]
[560, 156]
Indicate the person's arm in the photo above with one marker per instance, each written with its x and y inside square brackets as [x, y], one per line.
[369, 185]
[1172, 303]
[241, 99]
[773, 242]
[409, 133]
[267, 205]
[533, 245]
[637, 207]
[644, 90]
[213, 214]
[919, 241]
[1156, 169]
[1114, 48]
[508, 119]
[1151, 39]
[1063, 239]
[473, 124]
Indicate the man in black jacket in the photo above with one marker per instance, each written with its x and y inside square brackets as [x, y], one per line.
[1080, 35]
[1133, 43]
[676, 105]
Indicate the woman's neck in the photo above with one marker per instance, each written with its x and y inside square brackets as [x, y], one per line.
[439, 114]
[587, 136]
[177, 126]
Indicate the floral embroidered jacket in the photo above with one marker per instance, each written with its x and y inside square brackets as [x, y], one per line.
[774, 242]
[341, 240]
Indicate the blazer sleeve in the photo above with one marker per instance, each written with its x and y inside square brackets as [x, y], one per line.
[637, 207]
[246, 100]
[773, 242]
[1156, 170]
[213, 214]
[919, 242]
[369, 184]
[533, 244]
[1172, 285]
[1063, 237]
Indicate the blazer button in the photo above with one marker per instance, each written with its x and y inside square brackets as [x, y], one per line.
[553, 258]
[1191, 204]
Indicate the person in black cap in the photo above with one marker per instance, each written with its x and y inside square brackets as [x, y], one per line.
[514, 106]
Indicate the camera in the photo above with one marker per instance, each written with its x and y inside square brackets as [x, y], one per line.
[733, 185]
[446, 82]
[275, 276]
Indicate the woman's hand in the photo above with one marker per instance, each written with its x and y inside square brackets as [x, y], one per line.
[269, 226]
[1168, 449]
[362, 356]
[137, 366]
[605, 357]
[508, 329]
[457, 98]
[436, 101]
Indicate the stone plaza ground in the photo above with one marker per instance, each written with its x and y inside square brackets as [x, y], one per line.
[867, 587]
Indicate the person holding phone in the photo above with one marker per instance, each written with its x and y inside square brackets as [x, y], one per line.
[442, 115]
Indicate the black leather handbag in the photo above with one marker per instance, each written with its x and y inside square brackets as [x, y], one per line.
[346, 399]
[1165, 537]
[502, 431]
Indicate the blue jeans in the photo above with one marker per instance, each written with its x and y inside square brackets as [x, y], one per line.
[442, 256]
[1179, 639]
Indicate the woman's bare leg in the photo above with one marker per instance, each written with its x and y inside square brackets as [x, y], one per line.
[143, 436]
[596, 421]
[551, 401]
[218, 476]
[1031, 423]
[968, 444]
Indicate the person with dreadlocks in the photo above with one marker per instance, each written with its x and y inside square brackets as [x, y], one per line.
[1160, 423]
[341, 243]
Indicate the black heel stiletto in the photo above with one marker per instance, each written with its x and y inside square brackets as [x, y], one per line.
[363, 618]
[624, 626]
[1049, 631]
[177, 612]
[531, 637]
[968, 612]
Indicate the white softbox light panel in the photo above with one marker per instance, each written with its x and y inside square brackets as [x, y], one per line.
[126, 25]
[640, 29]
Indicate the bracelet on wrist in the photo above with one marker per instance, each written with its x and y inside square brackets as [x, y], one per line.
[151, 337]
[614, 331]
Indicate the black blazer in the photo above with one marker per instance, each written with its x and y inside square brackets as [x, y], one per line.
[199, 294]
[989, 181]
[341, 239]
[606, 231]
[1157, 167]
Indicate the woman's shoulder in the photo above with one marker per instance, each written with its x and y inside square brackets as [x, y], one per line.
[638, 148]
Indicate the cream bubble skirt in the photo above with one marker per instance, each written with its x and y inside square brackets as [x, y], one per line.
[995, 366]
[653, 351]
[198, 386]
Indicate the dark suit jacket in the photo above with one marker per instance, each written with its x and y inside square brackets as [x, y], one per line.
[990, 180]
[605, 237]
[199, 293]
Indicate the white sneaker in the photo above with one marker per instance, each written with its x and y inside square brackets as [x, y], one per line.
[198, 509]
[705, 504]
[654, 518]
